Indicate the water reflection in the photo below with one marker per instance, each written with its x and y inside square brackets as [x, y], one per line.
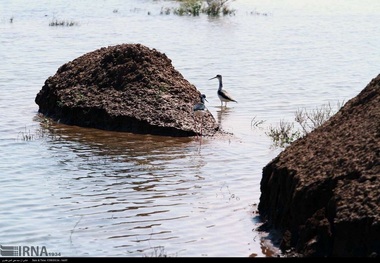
[145, 150]
[267, 246]
[124, 187]
[116, 142]
[222, 113]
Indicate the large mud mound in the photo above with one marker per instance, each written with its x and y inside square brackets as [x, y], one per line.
[322, 193]
[127, 87]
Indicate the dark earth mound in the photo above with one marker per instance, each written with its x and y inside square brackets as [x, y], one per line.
[322, 193]
[127, 87]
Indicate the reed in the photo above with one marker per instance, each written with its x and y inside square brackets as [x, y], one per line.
[256, 123]
[26, 135]
[218, 7]
[308, 120]
[283, 134]
[56, 22]
[209, 7]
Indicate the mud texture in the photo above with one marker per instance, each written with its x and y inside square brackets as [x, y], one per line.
[322, 193]
[128, 87]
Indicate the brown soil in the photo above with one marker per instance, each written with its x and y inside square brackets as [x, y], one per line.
[127, 87]
[322, 193]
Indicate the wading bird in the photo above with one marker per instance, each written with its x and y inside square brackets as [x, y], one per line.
[200, 109]
[223, 95]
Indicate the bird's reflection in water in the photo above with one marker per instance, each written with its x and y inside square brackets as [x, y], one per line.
[222, 113]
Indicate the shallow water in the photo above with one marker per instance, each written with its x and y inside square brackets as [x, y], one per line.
[87, 192]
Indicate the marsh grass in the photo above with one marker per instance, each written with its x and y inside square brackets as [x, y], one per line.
[285, 133]
[66, 23]
[165, 11]
[310, 120]
[197, 7]
[217, 7]
[256, 123]
[225, 193]
[73, 230]
[189, 7]
[158, 252]
[28, 136]
[25, 135]
[44, 131]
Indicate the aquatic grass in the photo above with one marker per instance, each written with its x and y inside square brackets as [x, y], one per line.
[218, 7]
[66, 23]
[158, 252]
[310, 120]
[227, 194]
[73, 230]
[197, 7]
[44, 131]
[165, 11]
[256, 13]
[256, 123]
[284, 134]
[191, 7]
[26, 135]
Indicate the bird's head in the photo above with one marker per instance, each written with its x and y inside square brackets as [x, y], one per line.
[203, 98]
[217, 77]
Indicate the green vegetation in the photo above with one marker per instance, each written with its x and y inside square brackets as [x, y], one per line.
[316, 117]
[217, 7]
[44, 131]
[256, 123]
[197, 7]
[26, 135]
[56, 22]
[158, 252]
[189, 7]
[284, 134]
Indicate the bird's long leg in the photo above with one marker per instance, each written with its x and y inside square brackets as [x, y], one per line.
[196, 126]
[200, 141]
[201, 125]
[198, 129]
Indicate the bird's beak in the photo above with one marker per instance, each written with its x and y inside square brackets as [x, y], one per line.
[213, 78]
[206, 100]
